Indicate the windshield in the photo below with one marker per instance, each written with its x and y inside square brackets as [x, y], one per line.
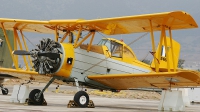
[114, 47]
[106, 43]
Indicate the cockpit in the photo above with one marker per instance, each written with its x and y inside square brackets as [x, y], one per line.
[117, 49]
[113, 47]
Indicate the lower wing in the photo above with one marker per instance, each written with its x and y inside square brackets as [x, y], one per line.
[184, 78]
[27, 75]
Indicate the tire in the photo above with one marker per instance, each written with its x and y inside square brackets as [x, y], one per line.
[4, 91]
[33, 95]
[81, 98]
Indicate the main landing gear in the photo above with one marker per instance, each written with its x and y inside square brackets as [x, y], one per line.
[81, 98]
[36, 96]
[4, 90]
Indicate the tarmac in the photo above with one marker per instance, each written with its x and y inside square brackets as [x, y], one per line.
[57, 102]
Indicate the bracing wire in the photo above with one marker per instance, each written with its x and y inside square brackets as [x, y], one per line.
[101, 34]
[137, 39]
[29, 40]
[145, 57]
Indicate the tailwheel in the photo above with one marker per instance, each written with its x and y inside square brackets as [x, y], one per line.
[81, 98]
[33, 96]
[4, 91]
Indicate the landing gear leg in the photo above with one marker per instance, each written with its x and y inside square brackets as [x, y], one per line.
[36, 96]
[4, 90]
[81, 99]
[77, 84]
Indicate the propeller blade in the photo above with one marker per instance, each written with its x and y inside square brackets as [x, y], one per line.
[21, 52]
[50, 55]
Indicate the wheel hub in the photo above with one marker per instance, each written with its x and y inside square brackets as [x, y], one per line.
[36, 97]
[82, 100]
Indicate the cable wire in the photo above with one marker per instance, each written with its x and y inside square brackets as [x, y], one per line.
[29, 40]
[137, 39]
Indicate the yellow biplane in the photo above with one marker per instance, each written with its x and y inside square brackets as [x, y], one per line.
[108, 65]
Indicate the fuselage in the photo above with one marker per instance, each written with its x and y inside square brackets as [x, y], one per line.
[99, 60]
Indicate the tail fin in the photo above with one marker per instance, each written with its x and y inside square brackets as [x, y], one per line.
[161, 57]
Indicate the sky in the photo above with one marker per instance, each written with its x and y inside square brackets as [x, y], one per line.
[93, 9]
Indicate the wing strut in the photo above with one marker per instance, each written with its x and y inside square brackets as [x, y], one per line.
[172, 48]
[20, 45]
[91, 40]
[78, 36]
[26, 47]
[78, 44]
[64, 36]
[166, 47]
[153, 45]
[56, 34]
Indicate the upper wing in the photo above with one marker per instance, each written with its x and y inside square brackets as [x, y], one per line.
[149, 80]
[36, 26]
[139, 23]
[26, 25]
[111, 26]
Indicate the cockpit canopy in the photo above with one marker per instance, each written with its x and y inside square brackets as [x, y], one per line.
[117, 48]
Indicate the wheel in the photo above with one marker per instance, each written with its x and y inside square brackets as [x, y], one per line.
[33, 96]
[5, 91]
[82, 99]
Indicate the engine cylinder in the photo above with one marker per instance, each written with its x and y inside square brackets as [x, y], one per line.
[47, 56]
